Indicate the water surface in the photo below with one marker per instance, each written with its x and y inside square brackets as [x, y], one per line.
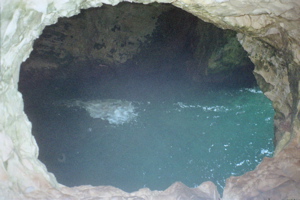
[181, 132]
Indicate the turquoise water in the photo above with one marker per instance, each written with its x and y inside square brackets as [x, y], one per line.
[182, 132]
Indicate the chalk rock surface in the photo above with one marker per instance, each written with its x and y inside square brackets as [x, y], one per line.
[268, 30]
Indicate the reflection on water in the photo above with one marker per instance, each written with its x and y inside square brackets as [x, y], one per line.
[152, 134]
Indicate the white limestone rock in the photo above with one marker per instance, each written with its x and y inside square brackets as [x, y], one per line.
[273, 23]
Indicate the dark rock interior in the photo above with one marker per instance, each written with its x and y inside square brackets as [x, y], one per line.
[173, 43]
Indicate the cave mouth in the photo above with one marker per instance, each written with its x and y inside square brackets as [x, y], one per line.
[178, 98]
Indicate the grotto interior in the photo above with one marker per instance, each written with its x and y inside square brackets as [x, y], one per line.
[148, 77]
[146, 99]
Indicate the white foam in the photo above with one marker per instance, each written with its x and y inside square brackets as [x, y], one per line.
[241, 163]
[268, 119]
[114, 111]
[204, 108]
[182, 105]
[266, 152]
[254, 90]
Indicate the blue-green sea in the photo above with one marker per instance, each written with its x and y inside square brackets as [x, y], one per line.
[178, 131]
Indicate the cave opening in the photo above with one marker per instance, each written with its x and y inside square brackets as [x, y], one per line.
[142, 96]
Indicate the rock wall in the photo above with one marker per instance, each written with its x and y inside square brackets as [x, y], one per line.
[98, 34]
[148, 39]
[269, 31]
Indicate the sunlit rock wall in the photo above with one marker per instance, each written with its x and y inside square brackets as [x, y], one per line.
[269, 32]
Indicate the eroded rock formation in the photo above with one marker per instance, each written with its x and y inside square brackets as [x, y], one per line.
[269, 31]
[102, 42]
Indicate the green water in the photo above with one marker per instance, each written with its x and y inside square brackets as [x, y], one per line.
[182, 133]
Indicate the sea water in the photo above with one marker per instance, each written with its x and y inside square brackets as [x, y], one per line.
[144, 134]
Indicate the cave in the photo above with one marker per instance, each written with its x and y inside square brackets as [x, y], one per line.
[151, 95]
[271, 44]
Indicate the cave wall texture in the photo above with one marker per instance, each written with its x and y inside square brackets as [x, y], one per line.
[268, 30]
[141, 39]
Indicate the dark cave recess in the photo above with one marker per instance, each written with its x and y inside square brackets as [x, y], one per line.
[176, 45]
